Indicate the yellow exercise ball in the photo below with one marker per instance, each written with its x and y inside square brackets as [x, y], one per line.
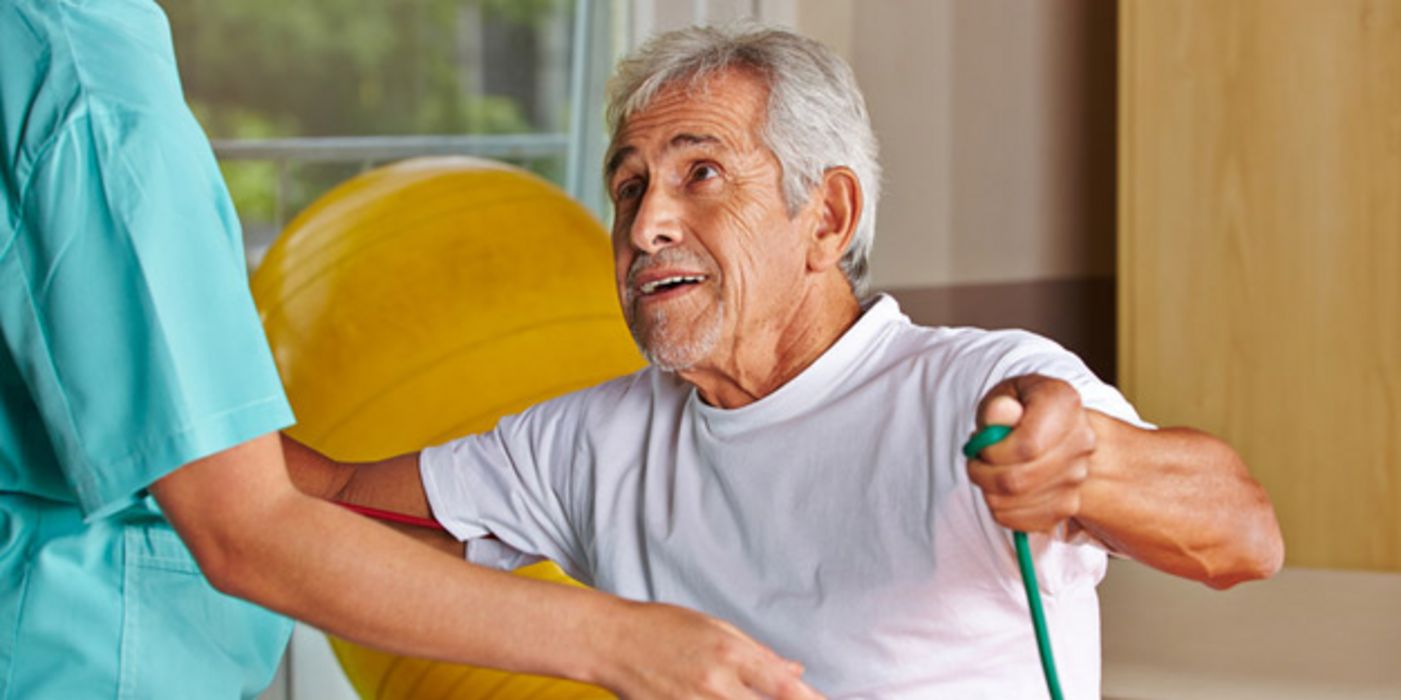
[422, 301]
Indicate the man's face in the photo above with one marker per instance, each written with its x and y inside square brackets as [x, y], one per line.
[706, 255]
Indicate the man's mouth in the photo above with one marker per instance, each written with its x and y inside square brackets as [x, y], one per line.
[666, 284]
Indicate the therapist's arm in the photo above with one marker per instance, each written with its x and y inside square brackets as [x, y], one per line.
[256, 536]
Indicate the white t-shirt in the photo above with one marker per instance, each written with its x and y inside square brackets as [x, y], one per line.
[832, 520]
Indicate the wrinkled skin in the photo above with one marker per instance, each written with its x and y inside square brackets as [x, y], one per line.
[698, 195]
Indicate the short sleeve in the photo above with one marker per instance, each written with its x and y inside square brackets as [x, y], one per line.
[517, 483]
[126, 304]
[1037, 355]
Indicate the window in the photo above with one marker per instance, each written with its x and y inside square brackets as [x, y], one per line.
[298, 96]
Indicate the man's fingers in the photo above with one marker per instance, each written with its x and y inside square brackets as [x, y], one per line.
[1031, 479]
[1039, 514]
[1033, 496]
[1052, 471]
[1051, 411]
[1056, 426]
[1001, 410]
[1005, 389]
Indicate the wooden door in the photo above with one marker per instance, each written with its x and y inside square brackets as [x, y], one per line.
[1260, 250]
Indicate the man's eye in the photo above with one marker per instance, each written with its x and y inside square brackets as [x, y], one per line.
[704, 171]
[629, 190]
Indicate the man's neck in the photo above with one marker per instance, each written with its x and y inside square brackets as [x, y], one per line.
[757, 365]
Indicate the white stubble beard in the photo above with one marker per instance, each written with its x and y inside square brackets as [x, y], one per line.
[669, 353]
[656, 337]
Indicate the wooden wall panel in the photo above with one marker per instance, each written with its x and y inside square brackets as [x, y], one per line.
[1260, 250]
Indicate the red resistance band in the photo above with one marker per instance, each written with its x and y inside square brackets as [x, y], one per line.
[393, 517]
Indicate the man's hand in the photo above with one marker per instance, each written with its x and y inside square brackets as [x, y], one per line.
[666, 651]
[1176, 499]
[1032, 478]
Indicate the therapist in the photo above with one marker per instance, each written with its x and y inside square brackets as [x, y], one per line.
[137, 393]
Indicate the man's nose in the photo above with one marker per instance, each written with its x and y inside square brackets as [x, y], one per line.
[657, 224]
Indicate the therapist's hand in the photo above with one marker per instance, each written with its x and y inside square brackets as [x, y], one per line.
[664, 651]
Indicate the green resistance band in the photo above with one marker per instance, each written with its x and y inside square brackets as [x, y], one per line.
[984, 438]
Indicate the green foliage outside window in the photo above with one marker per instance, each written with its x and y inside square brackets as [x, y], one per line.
[259, 69]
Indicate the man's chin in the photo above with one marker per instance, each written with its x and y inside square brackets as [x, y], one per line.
[674, 346]
[670, 356]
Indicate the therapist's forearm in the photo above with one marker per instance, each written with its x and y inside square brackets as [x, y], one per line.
[257, 537]
[378, 587]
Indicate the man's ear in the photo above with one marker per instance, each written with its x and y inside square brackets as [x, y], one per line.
[838, 200]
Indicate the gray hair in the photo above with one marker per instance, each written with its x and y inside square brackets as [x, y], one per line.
[816, 115]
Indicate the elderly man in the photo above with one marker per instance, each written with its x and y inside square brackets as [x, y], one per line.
[790, 460]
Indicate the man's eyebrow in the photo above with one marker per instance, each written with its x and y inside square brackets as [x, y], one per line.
[680, 140]
[691, 140]
[616, 160]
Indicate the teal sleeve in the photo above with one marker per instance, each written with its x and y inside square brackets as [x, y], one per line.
[133, 325]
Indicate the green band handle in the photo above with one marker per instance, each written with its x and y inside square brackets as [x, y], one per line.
[987, 437]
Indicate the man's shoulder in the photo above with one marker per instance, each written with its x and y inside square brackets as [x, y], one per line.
[985, 357]
[900, 339]
[968, 346]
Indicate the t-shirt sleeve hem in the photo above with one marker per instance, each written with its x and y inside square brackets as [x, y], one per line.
[456, 511]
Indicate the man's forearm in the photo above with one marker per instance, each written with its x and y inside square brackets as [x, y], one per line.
[313, 473]
[1180, 501]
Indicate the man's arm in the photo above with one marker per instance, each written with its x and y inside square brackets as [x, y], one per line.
[392, 484]
[257, 537]
[1175, 499]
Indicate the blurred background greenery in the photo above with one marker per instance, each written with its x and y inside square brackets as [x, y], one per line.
[285, 77]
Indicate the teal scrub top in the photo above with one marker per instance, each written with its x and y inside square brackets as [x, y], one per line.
[130, 347]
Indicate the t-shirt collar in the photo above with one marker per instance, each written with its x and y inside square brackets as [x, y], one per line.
[814, 382]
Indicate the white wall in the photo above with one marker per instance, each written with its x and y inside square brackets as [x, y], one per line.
[652, 16]
[994, 172]
[980, 106]
[903, 57]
